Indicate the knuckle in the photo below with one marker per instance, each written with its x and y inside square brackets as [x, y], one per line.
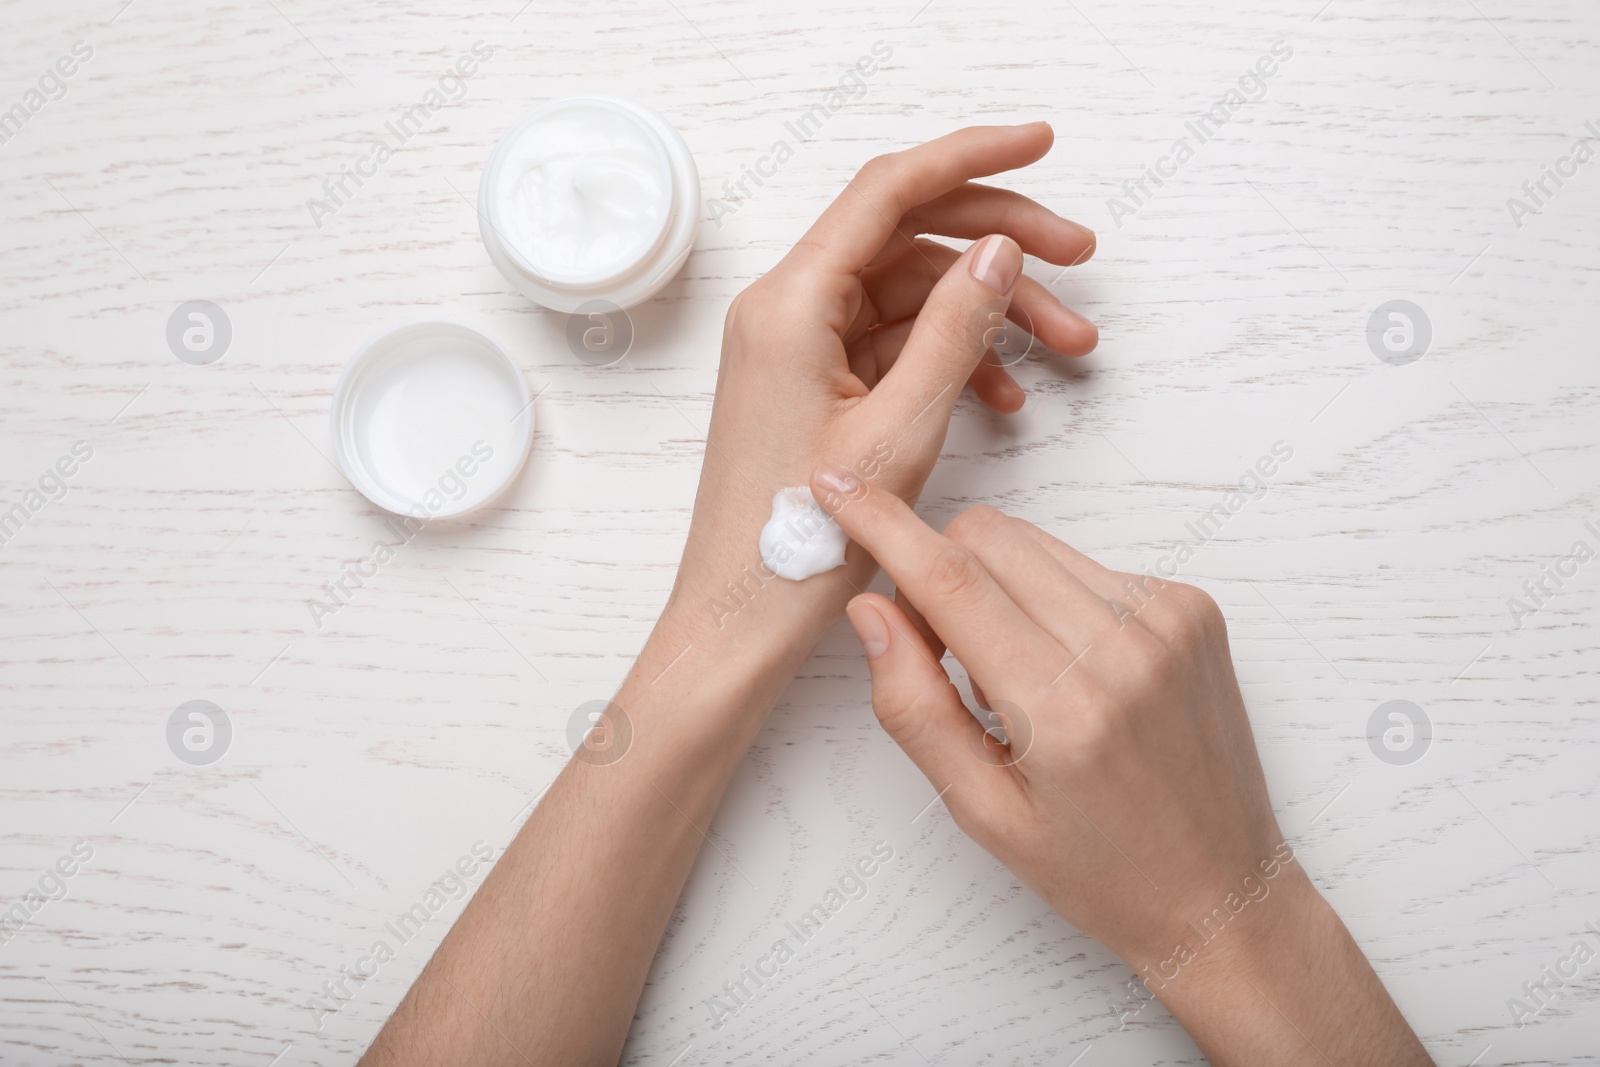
[1142, 667]
[769, 303]
[751, 301]
[1101, 726]
[1207, 605]
[1127, 599]
[893, 711]
[954, 573]
[1201, 619]
[879, 181]
[735, 315]
[1179, 594]
[901, 709]
[878, 170]
[799, 288]
[913, 224]
[1152, 660]
[1183, 595]
[975, 525]
[1185, 639]
[1212, 620]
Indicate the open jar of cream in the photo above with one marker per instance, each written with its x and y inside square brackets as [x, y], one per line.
[589, 198]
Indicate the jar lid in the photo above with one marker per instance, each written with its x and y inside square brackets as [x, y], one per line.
[431, 420]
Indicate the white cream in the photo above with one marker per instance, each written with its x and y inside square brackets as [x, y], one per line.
[589, 199]
[801, 539]
[587, 192]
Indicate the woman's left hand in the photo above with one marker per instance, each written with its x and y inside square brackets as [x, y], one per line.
[853, 350]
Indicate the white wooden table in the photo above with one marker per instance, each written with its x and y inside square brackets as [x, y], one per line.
[366, 758]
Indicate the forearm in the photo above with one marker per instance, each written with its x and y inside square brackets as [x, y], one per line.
[595, 871]
[1289, 986]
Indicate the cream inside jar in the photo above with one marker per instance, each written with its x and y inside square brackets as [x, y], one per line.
[590, 198]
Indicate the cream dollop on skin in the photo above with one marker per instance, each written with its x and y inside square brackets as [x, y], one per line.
[586, 193]
[801, 539]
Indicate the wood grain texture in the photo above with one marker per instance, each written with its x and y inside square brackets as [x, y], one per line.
[425, 716]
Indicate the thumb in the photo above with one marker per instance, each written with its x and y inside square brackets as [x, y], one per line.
[914, 700]
[963, 316]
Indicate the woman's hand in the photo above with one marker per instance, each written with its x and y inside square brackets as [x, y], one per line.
[1128, 793]
[856, 345]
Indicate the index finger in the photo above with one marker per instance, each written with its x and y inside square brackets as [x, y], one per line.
[855, 226]
[983, 626]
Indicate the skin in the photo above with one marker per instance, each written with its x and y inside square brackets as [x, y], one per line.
[851, 353]
[1129, 795]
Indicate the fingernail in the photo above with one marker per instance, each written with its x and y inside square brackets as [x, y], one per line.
[870, 628]
[838, 479]
[997, 262]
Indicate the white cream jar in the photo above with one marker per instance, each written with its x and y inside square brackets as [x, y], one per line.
[589, 198]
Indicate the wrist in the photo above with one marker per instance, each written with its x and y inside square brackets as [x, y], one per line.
[1211, 915]
[1240, 938]
[1287, 985]
[724, 648]
[728, 600]
[1218, 981]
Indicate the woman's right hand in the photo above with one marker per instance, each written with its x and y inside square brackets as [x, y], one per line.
[1125, 788]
